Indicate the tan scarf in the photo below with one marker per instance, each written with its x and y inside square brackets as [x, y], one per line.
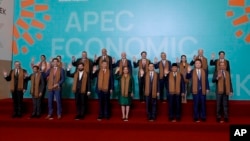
[220, 84]
[195, 81]
[141, 66]
[203, 62]
[106, 59]
[103, 80]
[154, 85]
[121, 65]
[218, 64]
[54, 79]
[84, 82]
[20, 80]
[35, 83]
[161, 68]
[174, 86]
[125, 81]
[184, 71]
[86, 65]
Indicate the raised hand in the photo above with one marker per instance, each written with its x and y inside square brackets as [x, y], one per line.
[117, 70]
[95, 57]
[69, 66]
[194, 57]
[5, 73]
[155, 60]
[177, 60]
[73, 58]
[212, 56]
[166, 71]
[219, 74]
[134, 59]
[94, 68]
[113, 60]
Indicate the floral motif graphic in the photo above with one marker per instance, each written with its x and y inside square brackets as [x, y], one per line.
[243, 19]
[26, 22]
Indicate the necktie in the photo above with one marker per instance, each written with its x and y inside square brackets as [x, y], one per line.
[199, 74]
[151, 76]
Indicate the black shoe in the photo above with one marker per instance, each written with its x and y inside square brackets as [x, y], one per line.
[99, 118]
[33, 116]
[77, 117]
[14, 115]
[218, 120]
[226, 120]
[203, 120]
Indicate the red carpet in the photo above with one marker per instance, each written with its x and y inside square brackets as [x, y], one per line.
[137, 128]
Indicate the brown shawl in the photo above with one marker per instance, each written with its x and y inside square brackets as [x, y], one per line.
[54, 79]
[146, 66]
[103, 80]
[203, 62]
[43, 66]
[154, 85]
[218, 64]
[184, 71]
[161, 68]
[20, 80]
[86, 65]
[121, 65]
[221, 81]
[125, 85]
[195, 81]
[84, 82]
[35, 83]
[174, 86]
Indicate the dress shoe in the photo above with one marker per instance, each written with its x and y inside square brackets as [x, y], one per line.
[59, 117]
[77, 117]
[33, 116]
[49, 117]
[99, 118]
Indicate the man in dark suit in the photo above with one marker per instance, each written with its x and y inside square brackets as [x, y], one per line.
[199, 89]
[224, 89]
[104, 57]
[163, 65]
[216, 62]
[104, 87]
[36, 90]
[123, 62]
[81, 88]
[143, 66]
[18, 85]
[88, 64]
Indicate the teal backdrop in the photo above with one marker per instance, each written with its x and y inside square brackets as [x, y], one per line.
[68, 27]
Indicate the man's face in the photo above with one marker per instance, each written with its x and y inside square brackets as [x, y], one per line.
[151, 67]
[104, 65]
[80, 67]
[197, 64]
[174, 69]
[163, 56]
[17, 65]
[55, 63]
[144, 56]
[59, 58]
[84, 55]
[200, 52]
[35, 70]
[123, 55]
[222, 55]
[104, 52]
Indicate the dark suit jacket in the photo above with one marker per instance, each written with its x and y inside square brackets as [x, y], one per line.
[88, 87]
[75, 64]
[41, 82]
[189, 76]
[111, 80]
[129, 65]
[25, 82]
[214, 80]
[214, 63]
[110, 62]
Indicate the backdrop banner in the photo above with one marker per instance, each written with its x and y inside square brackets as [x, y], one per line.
[68, 27]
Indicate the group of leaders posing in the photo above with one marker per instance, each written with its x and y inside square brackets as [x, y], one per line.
[175, 80]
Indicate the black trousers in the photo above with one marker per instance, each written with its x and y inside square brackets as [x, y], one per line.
[141, 82]
[81, 102]
[17, 97]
